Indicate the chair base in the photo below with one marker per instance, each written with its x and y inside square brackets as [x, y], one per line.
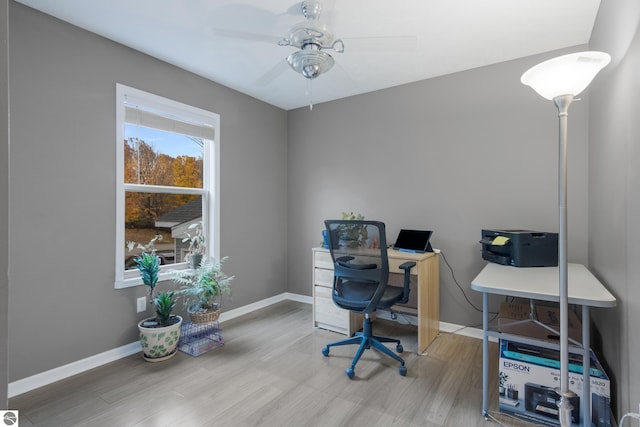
[366, 340]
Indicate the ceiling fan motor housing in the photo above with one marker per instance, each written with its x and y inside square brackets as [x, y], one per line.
[311, 37]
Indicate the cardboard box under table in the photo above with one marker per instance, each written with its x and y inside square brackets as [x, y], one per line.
[515, 318]
[529, 376]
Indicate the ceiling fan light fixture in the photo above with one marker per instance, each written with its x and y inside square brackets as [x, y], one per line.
[310, 63]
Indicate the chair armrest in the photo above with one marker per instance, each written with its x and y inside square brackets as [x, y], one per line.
[406, 266]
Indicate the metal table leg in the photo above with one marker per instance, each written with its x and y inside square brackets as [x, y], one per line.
[485, 353]
[586, 368]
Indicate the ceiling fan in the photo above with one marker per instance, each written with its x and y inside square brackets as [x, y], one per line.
[312, 38]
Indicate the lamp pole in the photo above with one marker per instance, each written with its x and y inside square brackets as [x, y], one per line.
[561, 79]
[565, 407]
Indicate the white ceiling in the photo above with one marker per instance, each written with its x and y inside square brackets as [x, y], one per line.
[387, 43]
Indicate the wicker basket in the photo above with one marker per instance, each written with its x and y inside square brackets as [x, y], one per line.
[205, 317]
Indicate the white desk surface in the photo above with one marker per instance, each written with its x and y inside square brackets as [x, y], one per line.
[542, 283]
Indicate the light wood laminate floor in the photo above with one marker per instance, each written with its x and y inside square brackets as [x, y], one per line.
[271, 372]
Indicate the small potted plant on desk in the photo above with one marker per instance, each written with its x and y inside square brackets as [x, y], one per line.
[159, 335]
[352, 236]
[202, 289]
[197, 248]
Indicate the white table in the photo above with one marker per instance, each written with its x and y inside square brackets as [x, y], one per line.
[540, 283]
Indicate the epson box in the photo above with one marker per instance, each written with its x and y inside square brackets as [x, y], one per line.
[529, 375]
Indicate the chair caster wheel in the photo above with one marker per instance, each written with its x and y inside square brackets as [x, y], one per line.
[350, 373]
[403, 371]
[399, 348]
[325, 351]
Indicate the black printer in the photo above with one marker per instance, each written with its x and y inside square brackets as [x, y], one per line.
[520, 248]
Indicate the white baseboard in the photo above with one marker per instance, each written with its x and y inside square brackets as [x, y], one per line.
[56, 374]
[409, 316]
[245, 309]
[300, 298]
[467, 331]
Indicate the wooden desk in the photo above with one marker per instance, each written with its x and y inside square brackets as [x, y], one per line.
[327, 315]
[540, 283]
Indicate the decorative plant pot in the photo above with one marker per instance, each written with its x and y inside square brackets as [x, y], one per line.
[210, 315]
[346, 242]
[195, 261]
[159, 343]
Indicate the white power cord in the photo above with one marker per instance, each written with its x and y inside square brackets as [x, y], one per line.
[630, 415]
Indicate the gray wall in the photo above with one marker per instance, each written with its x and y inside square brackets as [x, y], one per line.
[614, 186]
[4, 195]
[62, 304]
[455, 154]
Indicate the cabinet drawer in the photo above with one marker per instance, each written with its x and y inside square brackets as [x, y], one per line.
[327, 314]
[322, 259]
[323, 277]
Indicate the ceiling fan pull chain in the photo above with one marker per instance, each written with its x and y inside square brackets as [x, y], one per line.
[310, 91]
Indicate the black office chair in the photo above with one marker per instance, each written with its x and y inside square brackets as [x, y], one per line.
[360, 283]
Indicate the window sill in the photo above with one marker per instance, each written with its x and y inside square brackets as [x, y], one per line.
[137, 280]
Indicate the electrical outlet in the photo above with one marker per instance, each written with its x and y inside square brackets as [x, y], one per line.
[141, 304]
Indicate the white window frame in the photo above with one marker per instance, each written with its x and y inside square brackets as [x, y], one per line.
[211, 177]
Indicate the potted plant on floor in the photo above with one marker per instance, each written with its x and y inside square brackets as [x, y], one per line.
[202, 289]
[159, 335]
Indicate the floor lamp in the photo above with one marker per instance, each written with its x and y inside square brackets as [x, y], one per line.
[560, 80]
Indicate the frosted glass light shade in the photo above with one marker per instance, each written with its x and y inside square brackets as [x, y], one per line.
[310, 63]
[565, 75]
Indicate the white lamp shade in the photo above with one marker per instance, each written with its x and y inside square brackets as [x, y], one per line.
[565, 75]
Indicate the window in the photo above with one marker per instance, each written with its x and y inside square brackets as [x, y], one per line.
[167, 179]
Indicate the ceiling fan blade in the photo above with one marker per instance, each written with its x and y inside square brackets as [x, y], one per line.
[275, 72]
[327, 14]
[383, 43]
[294, 10]
[344, 78]
[245, 35]
[261, 24]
